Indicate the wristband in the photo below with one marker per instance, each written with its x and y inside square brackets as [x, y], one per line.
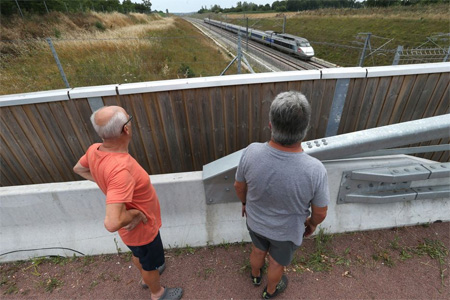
[243, 203]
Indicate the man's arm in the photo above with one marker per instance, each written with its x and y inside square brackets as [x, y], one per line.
[117, 216]
[83, 172]
[318, 214]
[241, 192]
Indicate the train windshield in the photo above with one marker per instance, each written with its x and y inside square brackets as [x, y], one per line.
[303, 44]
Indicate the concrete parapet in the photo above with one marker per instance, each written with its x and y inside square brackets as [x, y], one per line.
[67, 218]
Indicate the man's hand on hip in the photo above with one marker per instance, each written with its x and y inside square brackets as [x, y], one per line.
[138, 218]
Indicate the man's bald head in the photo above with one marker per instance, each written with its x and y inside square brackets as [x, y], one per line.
[108, 121]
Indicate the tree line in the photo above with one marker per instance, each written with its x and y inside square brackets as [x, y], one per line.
[299, 5]
[11, 7]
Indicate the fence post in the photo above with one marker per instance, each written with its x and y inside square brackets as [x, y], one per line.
[239, 54]
[18, 6]
[397, 55]
[55, 55]
[446, 56]
[363, 54]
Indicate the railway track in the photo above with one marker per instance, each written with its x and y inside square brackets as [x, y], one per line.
[276, 60]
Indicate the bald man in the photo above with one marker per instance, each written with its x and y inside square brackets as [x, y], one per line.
[132, 205]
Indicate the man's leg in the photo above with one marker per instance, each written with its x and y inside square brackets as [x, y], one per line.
[257, 260]
[150, 278]
[274, 274]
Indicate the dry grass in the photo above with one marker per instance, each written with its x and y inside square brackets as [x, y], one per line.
[130, 48]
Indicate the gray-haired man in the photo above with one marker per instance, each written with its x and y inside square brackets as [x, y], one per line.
[278, 183]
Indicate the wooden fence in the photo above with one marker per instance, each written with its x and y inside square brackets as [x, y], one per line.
[181, 125]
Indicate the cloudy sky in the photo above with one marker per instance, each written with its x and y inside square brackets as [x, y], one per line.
[182, 6]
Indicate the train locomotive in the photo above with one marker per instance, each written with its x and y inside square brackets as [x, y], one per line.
[289, 43]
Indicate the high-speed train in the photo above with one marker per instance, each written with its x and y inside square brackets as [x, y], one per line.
[289, 43]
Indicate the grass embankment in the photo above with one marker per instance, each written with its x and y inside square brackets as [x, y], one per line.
[334, 33]
[99, 49]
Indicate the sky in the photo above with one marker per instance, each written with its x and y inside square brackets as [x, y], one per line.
[184, 6]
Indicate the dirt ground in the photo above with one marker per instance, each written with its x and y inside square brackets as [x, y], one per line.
[400, 263]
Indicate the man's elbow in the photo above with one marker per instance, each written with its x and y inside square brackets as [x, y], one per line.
[111, 226]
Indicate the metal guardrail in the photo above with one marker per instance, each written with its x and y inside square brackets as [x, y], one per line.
[394, 184]
[218, 176]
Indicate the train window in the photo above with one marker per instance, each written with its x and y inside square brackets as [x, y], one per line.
[303, 44]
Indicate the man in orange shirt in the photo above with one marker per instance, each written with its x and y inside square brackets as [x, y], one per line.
[132, 205]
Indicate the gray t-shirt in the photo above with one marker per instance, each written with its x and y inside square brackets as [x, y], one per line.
[281, 187]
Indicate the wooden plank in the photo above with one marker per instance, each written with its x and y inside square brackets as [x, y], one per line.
[145, 134]
[182, 130]
[173, 148]
[206, 124]
[425, 95]
[218, 122]
[160, 143]
[243, 111]
[326, 103]
[51, 174]
[193, 121]
[21, 149]
[441, 109]
[378, 102]
[85, 112]
[391, 98]
[229, 104]
[306, 88]
[351, 110]
[47, 139]
[78, 126]
[413, 100]
[255, 98]
[316, 107]
[133, 105]
[280, 87]
[14, 173]
[366, 105]
[70, 137]
[62, 151]
[294, 86]
[134, 148]
[268, 95]
[402, 99]
[438, 95]
[5, 177]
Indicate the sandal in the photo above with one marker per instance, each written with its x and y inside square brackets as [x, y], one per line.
[256, 280]
[281, 286]
[171, 294]
[160, 269]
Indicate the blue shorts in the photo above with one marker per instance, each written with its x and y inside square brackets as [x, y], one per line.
[151, 256]
[281, 251]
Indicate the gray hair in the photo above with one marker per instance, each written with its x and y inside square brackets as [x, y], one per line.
[289, 115]
[112, 129]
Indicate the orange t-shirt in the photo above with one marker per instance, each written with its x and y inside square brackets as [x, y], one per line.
[123, 180]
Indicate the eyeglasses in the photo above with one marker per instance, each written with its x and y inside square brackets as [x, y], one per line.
[123, 127]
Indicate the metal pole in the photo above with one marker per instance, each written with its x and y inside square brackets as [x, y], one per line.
[55, 55]
[46, 8]
[67, 10]
[363, 54]
[239, 54]
[18, 6]
[397, 55]
[284, 24]
[446, 56]
[384, 137]
[247, 35]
